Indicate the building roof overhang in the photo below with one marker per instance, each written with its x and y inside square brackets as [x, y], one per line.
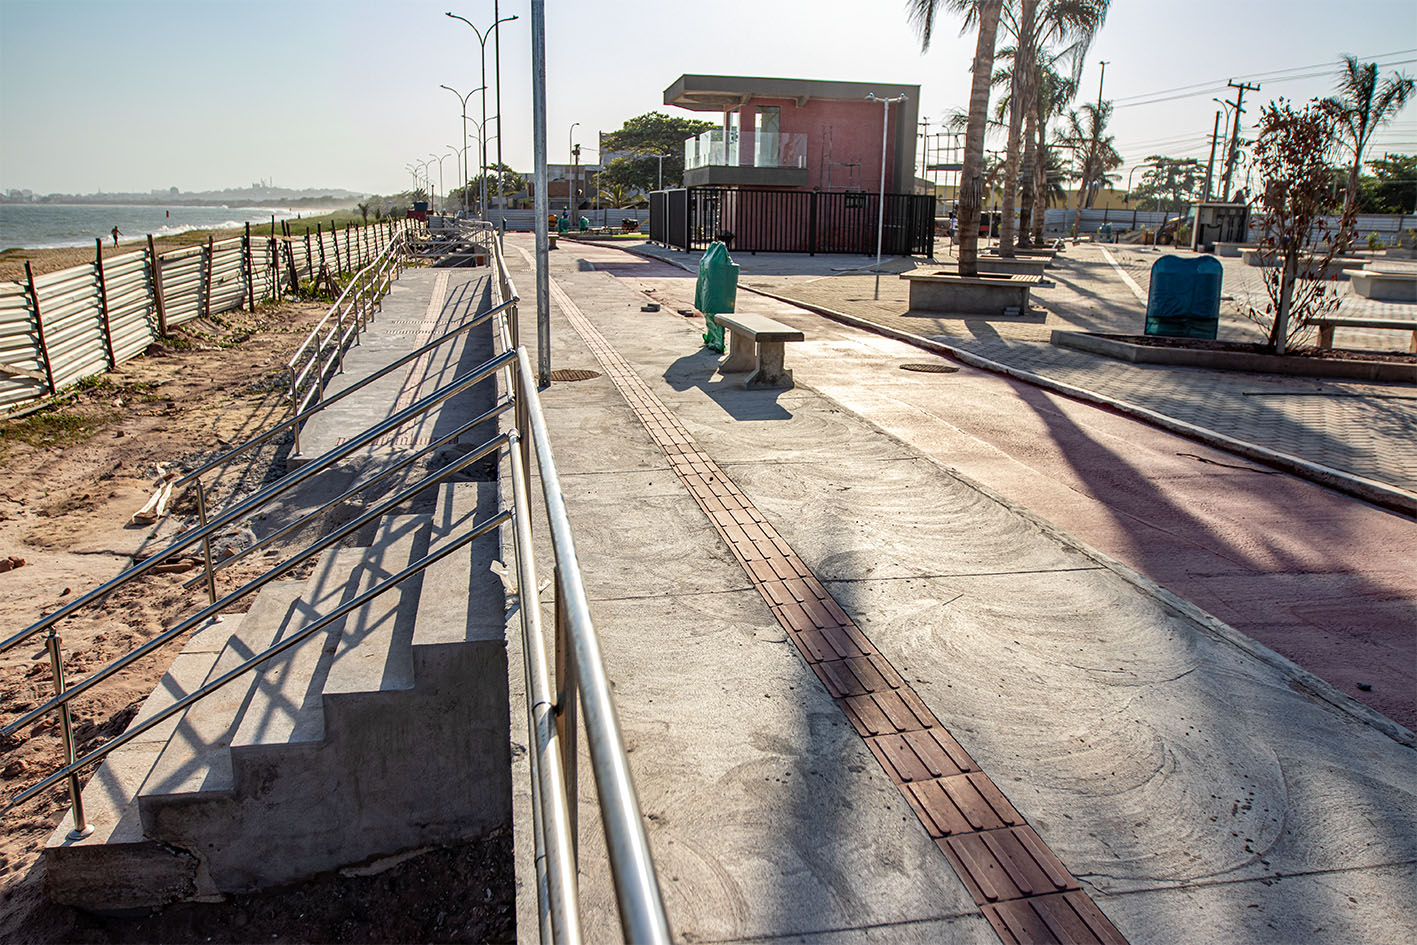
[715, 93]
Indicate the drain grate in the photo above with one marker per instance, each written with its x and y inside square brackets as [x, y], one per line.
[573, 374]
[932, 368]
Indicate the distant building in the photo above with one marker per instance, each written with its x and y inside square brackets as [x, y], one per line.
[797, 133]
[797, 165]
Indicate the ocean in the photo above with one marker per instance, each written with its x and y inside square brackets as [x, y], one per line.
[48, 225]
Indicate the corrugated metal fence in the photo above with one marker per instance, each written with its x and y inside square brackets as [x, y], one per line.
[66, 325]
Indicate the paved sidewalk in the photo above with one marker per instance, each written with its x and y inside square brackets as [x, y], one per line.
[1363, 429]
[1194, 784]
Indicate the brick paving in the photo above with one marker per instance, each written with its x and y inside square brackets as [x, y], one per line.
[1361, 428]
[1022, 888]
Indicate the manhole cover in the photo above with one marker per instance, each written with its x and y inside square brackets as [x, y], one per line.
[573, 374]
[932, 368]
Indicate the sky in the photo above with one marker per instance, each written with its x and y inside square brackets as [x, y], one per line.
[131, 95]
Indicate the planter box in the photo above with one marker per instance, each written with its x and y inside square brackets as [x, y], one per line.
[1020, 266]
[1384, 286]
[1308, 262]
[1233, 249]
[1236, 360]
[940, 292]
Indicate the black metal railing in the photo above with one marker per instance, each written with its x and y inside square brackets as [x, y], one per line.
[793, 221]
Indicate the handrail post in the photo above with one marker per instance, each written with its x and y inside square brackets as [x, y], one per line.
[206, 543]
[566, 717]
[82, 828]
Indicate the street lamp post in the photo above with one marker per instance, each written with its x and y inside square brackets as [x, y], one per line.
[881, 210]
[571, 151]
[463, 99]
[482, 42]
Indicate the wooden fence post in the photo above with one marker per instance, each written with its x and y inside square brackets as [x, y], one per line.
[103, 303]
[353, 267]
[249, 272]
[320, 242]
[155, 274]
[309, 260]
[334, 246]
[206, 284]
[39, 330]
[290, 259]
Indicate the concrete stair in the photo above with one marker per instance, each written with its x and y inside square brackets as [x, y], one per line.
[386, 731]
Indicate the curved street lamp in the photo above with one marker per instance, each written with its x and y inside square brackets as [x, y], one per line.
[482, 42]
[463, 99]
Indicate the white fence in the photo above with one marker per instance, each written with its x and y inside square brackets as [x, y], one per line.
[63, 326]
[1059, 221]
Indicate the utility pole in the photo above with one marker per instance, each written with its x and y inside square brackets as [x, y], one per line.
[538, 138]
[1234, 152]
[924, 147]
[1210, 165]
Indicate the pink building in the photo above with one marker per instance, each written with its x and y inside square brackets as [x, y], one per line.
[798, 134]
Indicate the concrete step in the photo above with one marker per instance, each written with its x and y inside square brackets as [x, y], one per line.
[118, 866]
[196, 757]
[374, 652]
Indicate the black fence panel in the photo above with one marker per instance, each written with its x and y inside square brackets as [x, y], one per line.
[659, 216]
[793, 221]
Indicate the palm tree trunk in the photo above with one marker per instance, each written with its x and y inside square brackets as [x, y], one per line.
[1027, 188]
[1040, 183]
[1082, 192]
[1350, 197]
[1018, 107]
[972, 175]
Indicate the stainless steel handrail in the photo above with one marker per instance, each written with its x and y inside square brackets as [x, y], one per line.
[249, 505]
[255, 583]
[383, 473]
[579, 670]
[580, 674]
[336, 397]
[369, 283]
[417, 567]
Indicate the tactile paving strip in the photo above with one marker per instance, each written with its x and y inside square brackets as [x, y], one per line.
[1021, 886]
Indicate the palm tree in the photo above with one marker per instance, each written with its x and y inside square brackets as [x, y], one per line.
[985, 13]
[1054, 92]
[364, 211]
[616, 195]
[1100, 155]
[1035, 24]
[1364, 105]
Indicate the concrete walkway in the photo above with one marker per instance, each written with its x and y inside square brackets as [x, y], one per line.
[1192, 784]
[1364, 429]
[1320, 577]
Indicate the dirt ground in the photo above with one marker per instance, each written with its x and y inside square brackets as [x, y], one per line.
[70, 479]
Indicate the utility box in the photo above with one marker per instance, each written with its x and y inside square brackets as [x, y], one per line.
[1213, 223]
[1184, 301]
[716, 291]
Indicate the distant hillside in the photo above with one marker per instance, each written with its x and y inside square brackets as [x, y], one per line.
[253, 195]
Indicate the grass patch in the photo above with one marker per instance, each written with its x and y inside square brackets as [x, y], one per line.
[51, 428]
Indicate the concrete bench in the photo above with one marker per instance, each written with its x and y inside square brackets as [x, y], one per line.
[1327, 324]
[1384, 285]
[755, 344]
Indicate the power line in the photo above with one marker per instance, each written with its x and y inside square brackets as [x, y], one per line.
[1199, 87]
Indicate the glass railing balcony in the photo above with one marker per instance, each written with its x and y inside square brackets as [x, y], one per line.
[718, 148]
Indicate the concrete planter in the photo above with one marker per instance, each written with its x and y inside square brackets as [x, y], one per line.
[1020, 266]
[1384, 286]
[1236, 360]
[1308, 263]
[941, 292]
[1233, 249]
